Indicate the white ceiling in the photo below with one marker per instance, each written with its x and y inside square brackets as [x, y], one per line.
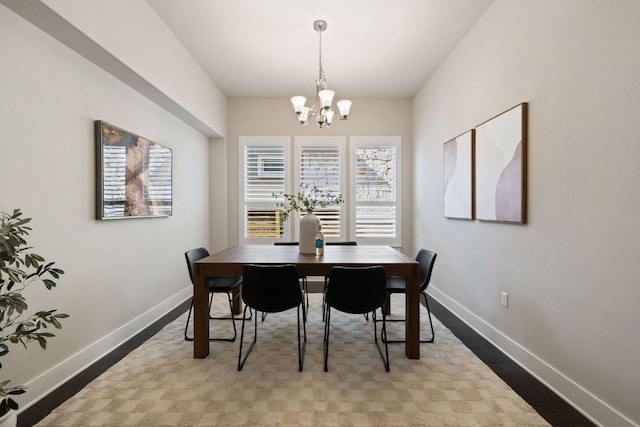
[269, 49]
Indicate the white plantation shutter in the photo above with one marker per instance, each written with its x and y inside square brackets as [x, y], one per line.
[368, 179]
[264, 164]
[375, 190]
[320, 163]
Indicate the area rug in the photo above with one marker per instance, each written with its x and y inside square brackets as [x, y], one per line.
[160, 384]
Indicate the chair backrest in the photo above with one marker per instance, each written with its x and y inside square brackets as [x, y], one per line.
[426, 258]
[192, 256]
[271, 288]
[357, 290]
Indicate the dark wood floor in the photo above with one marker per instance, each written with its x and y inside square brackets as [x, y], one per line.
[556, 411]
[552, 408]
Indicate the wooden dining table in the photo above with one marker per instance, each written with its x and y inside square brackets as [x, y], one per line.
[230, 262]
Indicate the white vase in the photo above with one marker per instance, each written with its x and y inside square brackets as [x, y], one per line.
[10, 419]
[309, 227]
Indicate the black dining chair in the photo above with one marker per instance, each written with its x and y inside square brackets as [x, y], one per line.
[215, 285]
[303, 279]
[326, 278]
[397, 285]
[272, 289]
[357, 290]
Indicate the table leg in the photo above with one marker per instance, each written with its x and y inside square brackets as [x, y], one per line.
[200, 316]
[412, 310]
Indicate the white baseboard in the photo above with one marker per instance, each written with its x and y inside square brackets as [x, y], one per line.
[574, 394]
[49, 380]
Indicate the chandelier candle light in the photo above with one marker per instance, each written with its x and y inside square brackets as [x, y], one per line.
[324, 97]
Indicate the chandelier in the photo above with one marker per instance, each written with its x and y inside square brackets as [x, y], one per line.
[321, 109]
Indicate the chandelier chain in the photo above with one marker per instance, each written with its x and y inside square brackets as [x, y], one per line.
[321, 75]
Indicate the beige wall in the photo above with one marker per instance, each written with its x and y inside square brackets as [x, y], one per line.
[275, 117]
[120, 275]
[571, 273]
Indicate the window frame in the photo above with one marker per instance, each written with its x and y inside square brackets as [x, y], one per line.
[266, 141]
[356, 142]
[340, 142]
[348, 170]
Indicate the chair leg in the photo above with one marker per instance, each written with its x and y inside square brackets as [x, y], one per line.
[324, 298]
[426, 303]
[241, 361]
[430, 340]
[327, 322]
[384, 356]
[383, 335]
[233, 321]
[186, 327]
[232, 318]
[302, 348]
[305, 290]
[210, 304]
[187, 338]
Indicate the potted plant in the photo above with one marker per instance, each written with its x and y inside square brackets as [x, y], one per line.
[305, 201]
[19, 269]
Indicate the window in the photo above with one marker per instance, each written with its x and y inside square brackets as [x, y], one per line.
[263, 172]
[367, 178]
[375, 191]
[320, 163]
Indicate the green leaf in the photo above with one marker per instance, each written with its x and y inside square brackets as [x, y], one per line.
[21, 222]
[4, 406]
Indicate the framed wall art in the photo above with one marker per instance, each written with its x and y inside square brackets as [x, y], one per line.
[458, 155]
[501, 167]
[133, 175]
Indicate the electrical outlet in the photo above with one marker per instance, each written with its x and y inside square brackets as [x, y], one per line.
[504, 299]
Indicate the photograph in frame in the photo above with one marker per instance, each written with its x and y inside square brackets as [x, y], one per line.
[133, 175]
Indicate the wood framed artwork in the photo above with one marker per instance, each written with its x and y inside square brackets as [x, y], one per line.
[501, 167]
[133, 175]
[458, 156]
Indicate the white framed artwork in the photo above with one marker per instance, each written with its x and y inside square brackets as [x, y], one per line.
[458, 156]
[501, 167]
